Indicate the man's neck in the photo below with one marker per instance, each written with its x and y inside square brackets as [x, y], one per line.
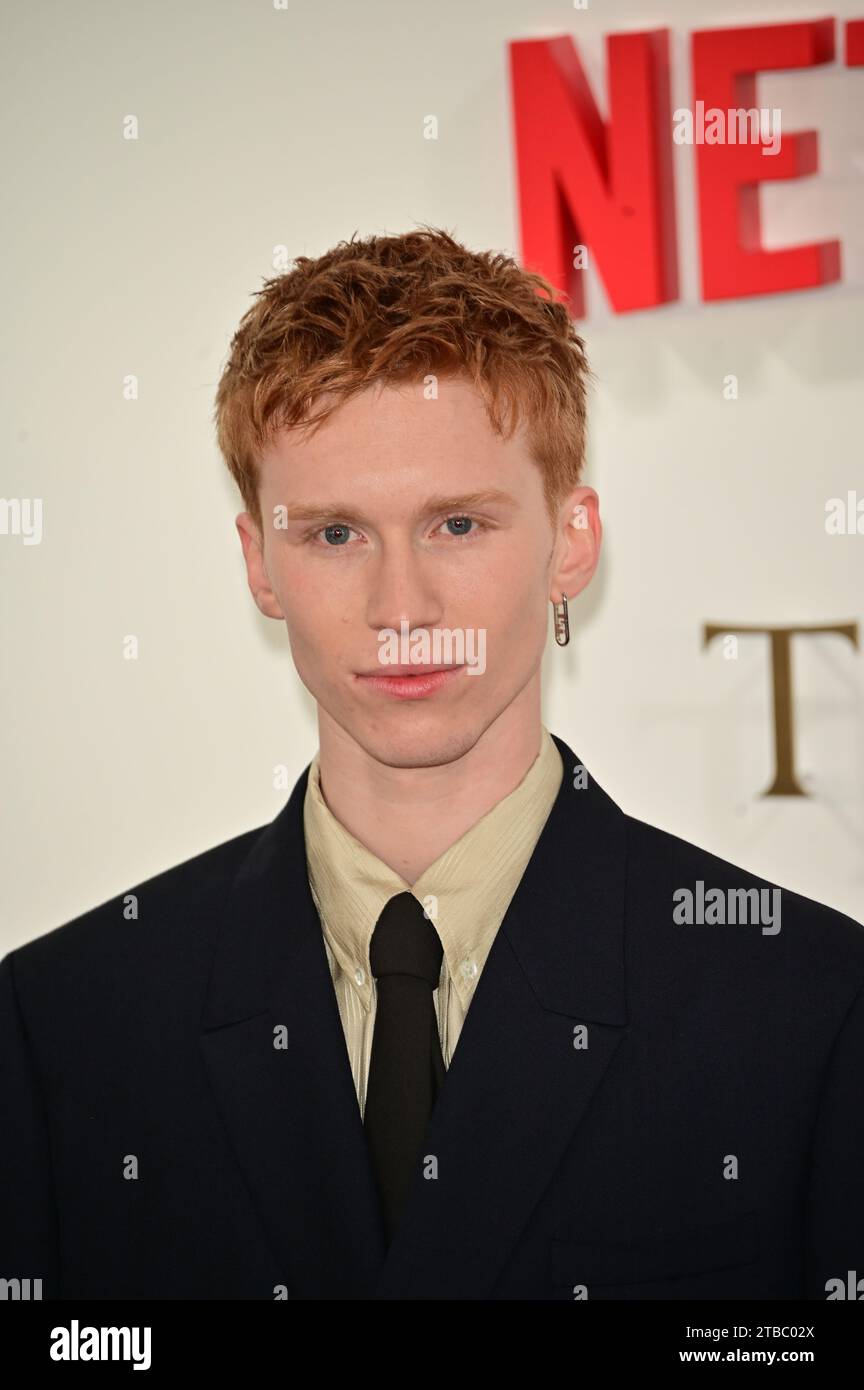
[409, 816]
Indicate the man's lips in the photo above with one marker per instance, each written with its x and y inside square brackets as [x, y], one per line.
[414, 668]
[408, 682]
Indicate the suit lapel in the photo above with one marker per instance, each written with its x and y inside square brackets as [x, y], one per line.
[514, 1094]
[517, 1087]
[291, 1113]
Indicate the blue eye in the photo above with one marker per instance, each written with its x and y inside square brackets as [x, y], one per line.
[464, 523]
[336, 535]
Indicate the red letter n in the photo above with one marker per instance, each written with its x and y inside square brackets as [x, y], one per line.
[603, 185]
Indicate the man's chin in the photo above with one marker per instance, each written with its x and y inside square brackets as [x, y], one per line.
[433, 740]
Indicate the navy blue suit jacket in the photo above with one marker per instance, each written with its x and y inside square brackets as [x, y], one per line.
[636, 1108]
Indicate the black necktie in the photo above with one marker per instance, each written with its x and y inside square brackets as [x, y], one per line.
[406, 1069]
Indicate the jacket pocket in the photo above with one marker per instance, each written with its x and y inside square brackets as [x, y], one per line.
[697, 1250]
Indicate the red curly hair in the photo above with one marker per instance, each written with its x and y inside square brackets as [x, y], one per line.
[393, 309]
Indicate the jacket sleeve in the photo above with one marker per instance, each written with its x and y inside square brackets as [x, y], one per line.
[28, 1221]
[834, 1229]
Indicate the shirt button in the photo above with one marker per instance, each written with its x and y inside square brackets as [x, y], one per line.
[360, 976]
[469, 969]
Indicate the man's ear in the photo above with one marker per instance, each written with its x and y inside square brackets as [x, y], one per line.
[256, 573]
[578, 535]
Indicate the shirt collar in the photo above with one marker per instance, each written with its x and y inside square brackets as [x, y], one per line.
[465, 892]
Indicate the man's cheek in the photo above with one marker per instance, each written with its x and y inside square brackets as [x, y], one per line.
[304, 648]
[317, 644]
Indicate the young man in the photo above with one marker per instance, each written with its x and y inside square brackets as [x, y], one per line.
[442, 1029]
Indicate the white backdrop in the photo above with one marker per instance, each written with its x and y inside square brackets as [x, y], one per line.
[262, 128]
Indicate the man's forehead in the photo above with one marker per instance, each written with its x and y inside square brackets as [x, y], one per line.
[431, 411]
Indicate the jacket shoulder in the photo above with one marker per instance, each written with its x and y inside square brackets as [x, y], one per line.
[185, 897]
[668, 862]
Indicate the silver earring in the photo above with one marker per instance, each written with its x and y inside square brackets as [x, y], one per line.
[562, 622]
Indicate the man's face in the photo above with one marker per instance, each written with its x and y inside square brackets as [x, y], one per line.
[402, 510]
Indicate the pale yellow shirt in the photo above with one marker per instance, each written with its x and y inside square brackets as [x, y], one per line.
[466, 893]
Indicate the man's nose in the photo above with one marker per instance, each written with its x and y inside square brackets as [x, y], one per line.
[401, 589]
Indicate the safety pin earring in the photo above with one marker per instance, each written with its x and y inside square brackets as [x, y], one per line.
[562, 622]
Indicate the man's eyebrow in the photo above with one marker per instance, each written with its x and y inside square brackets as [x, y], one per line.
[347, 511]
